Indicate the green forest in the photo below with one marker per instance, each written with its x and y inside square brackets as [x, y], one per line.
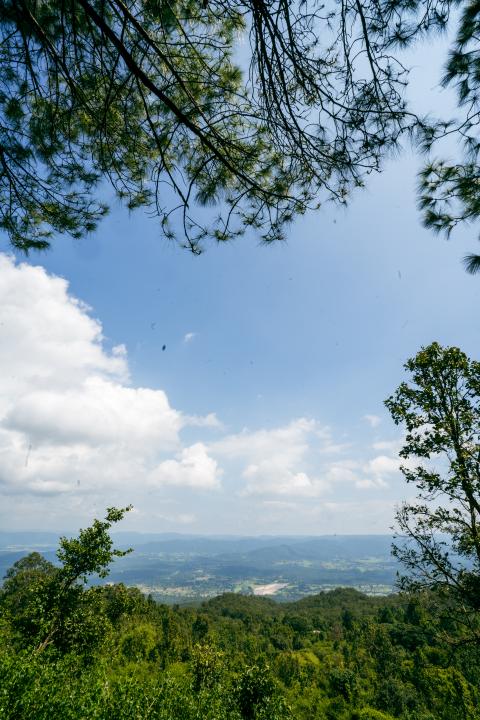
[110, 652]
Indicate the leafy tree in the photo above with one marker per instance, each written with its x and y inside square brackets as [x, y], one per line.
[25, 592]
[440, 536]
[120, 599]
[139, 641]
[47, 604]
[450, 696]
[200, 628]
[207, 666]
[257, 697]
[343, 682]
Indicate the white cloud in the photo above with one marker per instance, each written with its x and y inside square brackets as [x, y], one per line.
[69, 419]
[193, 468]
[46, 335]
[207, 421]
[277, 462]
[76, 435]
[373, 420]
[382, 465]
[188, 337]
[97, 411]
[342, 472]
[375, 470]
[270, 479]
[280, 504]
[288, 443]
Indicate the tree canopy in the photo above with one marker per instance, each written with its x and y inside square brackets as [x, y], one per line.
[256, 109]
[439, 408]
[70, 649]
[46, 603]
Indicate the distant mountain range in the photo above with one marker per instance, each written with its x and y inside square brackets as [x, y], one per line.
[176, 567]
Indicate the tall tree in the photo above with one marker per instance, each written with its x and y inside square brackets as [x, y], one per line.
[439, 407]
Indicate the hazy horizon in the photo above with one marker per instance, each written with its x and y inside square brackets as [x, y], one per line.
[216, 536]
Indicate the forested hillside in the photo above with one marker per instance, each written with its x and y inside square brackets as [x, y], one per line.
[110, 652]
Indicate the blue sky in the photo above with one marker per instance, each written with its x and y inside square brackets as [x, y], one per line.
[264, 412]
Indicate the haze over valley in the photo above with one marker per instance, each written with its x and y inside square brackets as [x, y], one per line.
[184, 569]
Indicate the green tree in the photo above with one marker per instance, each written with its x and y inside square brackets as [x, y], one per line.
[207, 667]
[257, 696]
[439, 543]
[25, 597]
[47, 604]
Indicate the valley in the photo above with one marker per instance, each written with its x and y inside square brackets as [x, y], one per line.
[178, 569]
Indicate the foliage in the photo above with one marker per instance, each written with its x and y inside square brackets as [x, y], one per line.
[440, 409]
[47, 604]
[255, 695]
[258, 109]
[349, 656]
[147, 95]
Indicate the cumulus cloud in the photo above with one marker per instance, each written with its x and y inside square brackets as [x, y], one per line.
[287, 443]
[77, 432]
[97, 411]
[193, 468]
[279, 461]
[382, 465]
[69, 417]
[370, 483]
[270, 479]
[375, 471]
